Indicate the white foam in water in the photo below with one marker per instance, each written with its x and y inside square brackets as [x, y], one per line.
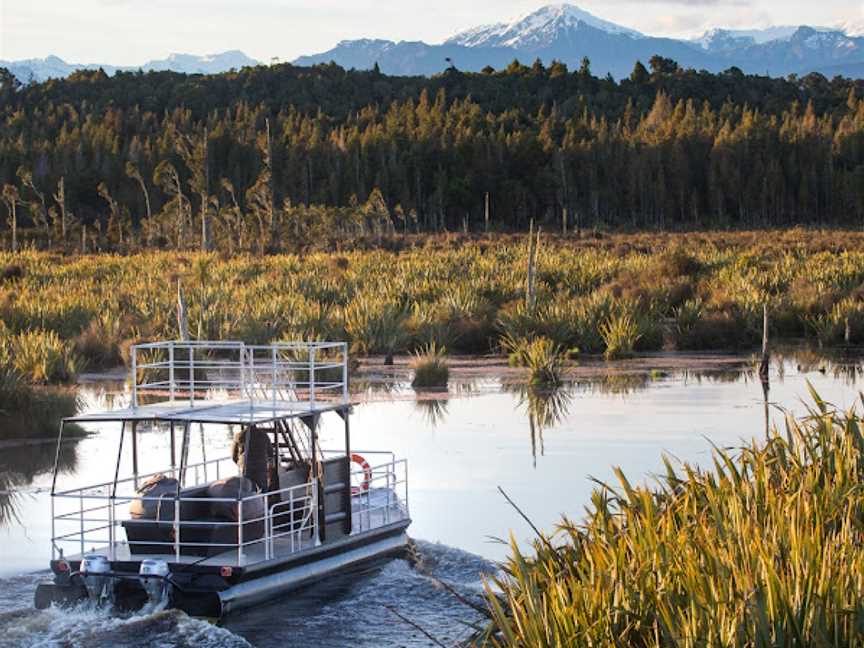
[86, 625]
[351, 611]
[345, 611]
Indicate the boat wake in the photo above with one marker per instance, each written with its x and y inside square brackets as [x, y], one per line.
[87, 625]
[355, 609]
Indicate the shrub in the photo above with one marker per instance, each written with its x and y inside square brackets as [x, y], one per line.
[430, 367]
[620, 333]
[100, 344]
[36, 411]
[766, 549]
[42, 357]
[543, 358]
[375, 326]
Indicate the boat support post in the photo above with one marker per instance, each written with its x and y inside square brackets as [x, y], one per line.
[113, 502]
[134, 452]
[54, 486]
[348, 524]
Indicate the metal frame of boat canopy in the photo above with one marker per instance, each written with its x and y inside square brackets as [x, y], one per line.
[283, 389]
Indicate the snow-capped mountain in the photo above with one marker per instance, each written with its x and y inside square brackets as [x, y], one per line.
[561, 32]
[207, 64]
[807, 49]
[719, 39]
[53, 67]
[566, 33]
[537, 29]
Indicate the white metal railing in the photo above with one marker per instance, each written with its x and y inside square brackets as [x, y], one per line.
[287, 522]
[285, 371]
[381, 496]
[267, 526]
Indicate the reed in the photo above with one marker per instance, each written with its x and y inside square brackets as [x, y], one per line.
[764, 549]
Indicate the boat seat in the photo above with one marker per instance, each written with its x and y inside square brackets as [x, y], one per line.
[202, 523]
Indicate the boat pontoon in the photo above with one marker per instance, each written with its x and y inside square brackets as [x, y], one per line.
[218, 534]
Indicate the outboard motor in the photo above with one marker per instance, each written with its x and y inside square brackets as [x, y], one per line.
[94, 568]
[152, 575]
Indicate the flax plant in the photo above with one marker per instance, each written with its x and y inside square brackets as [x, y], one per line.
[766, 548]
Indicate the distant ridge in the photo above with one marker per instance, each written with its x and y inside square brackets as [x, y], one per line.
[53, 67]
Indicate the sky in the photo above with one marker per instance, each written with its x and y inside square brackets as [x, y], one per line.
[131, 32]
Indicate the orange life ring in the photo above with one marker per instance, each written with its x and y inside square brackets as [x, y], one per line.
[367, 474]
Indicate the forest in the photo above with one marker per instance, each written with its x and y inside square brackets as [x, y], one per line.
[284, 158]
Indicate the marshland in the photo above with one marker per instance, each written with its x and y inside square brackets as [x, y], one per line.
[570, 356]
[611, 295]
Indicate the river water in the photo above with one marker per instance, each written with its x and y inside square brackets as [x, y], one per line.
[542, 450]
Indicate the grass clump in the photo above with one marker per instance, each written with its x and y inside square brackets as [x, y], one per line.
[620, 333]
[766, 549]
[543, 358]
[43, 358]
[430, 367]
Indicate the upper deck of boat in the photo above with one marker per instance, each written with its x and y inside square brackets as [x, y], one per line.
[232, 383]
[235, 412]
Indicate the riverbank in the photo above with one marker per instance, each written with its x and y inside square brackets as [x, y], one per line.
[762, 549]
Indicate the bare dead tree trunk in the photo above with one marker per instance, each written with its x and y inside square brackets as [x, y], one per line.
[272, 199]
[486, 214]
[60, 199]
[205, 193]
[530, 287]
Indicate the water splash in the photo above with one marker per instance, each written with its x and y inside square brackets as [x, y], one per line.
[347, 610]
[89, 625]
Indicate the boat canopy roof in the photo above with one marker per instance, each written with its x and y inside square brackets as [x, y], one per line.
[232, 382]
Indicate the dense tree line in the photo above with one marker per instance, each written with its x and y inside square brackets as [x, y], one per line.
[275, 157]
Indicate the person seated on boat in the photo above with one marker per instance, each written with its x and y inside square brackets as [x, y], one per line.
[253, 454]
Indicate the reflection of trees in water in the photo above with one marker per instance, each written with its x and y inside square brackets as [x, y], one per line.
[103, 395]
[546, 408]
[433, 410]
[618, 384]
[21, 465]
[848, 370]
[844, 365]
[745, 373]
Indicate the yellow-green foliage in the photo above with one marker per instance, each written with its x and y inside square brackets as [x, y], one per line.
[543, 358]
[464, 294]
[620, 333]
[430, 367]
[766, 549]
[42, 357]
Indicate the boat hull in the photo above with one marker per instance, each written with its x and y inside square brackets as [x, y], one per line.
[209, 595]
[327, 560]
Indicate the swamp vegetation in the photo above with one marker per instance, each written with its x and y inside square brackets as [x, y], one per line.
[604, 294]
[765, 549]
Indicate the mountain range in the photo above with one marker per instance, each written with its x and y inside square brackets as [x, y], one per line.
[567, 33]
[53, 67]
[560, 32]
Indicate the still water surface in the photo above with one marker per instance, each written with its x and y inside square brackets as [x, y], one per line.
[541, 451]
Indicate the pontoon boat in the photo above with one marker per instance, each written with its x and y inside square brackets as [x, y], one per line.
[212, 536]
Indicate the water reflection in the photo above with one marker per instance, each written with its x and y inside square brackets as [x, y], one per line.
[545, 408]
[21, 465]
[433, 410]
[842, 367]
